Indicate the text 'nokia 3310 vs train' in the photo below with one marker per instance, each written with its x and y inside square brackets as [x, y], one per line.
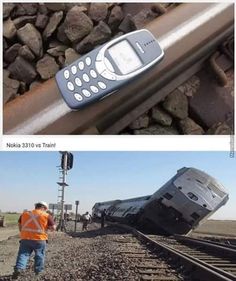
[178, 207]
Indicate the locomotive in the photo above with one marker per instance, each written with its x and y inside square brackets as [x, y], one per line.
[179, 206]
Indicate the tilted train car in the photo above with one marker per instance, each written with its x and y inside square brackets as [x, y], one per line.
[177, 207]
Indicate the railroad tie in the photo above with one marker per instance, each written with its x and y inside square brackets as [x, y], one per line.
[158, 278]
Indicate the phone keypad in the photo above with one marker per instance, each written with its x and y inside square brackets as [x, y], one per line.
[85, 90]
[102, 85]
[86, 77]
[70, 86]
[93, 73]
[78, 82]
[86, 93]
[108, 75]
[88, 61]
[108, 65]
[74, 69]
[81, 65]
[66, 74]
[94, 89]
[78, 97]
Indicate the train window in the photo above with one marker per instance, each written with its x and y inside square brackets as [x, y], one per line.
[195, 216]
[126, 211]
[168, 196]
[192, 196]
[199, 181]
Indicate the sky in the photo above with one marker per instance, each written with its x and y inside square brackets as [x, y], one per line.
[28, 177]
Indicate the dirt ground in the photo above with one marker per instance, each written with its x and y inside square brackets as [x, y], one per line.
[9, 243]
[6, 232]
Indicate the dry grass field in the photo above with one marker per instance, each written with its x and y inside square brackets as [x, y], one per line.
[217, 227]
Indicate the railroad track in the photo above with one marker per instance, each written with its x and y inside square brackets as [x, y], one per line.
[205, 260]
[196, 259]
[189, 35]
[160, 258]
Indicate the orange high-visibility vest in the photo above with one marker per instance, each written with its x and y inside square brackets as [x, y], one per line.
[34, 225]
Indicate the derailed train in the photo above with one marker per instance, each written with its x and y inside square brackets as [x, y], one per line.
[177, 207]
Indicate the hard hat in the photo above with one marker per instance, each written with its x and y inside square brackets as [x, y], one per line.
[43, 203]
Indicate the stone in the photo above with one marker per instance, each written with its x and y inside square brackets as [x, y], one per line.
[41, 21]
[190, 127]
[5, 44]
[11, 53]
[118, 34]
[57, 51]
[126, 24]
[160, 116]
[9, 29]
[144, 17]
[23, 88]
[31, 37]
[139, 123]
[42, 9]
[77, 24]
[21, 21]
[70, 56]
[157, 130]
[34, 85]
[56, 6]
[47, 67]
[115, 18]
[190, 87]
[7, 8]
[99, 35]
[54, 21]
[83, 7]
[28, 9]
[211, 103]
[10, 87]
[61, 61]
[176, 104]
[5, 64]
[98, 11]
[61, 35]
[26, 53]
[220, 128]
[159, 8]
[22, 70]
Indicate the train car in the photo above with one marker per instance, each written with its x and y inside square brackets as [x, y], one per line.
[179, 206]
[99, 207]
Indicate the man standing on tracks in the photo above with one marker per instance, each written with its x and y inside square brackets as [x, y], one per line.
[103, 216]
[86, 219]
[33, 226]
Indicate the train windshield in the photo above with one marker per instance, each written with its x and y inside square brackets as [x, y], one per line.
[217, 190]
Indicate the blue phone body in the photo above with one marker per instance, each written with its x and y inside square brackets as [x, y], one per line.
[107, 68]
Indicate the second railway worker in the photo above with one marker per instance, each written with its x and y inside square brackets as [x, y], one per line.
[33, 226]
[86, 219]
[103, 217]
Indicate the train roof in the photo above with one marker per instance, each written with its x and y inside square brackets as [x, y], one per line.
[207, 176]
[125, 200]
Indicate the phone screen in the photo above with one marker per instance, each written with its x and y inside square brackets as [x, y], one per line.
[125, 57]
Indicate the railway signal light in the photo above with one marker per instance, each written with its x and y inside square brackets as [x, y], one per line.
[67, 160]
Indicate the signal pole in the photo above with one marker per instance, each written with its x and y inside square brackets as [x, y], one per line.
[76, 213]
[65, 165]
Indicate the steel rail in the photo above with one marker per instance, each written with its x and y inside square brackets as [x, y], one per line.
[182, 32]
[200, 269]
[211, 244]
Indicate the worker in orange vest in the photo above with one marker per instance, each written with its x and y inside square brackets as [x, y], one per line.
[33, 226]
